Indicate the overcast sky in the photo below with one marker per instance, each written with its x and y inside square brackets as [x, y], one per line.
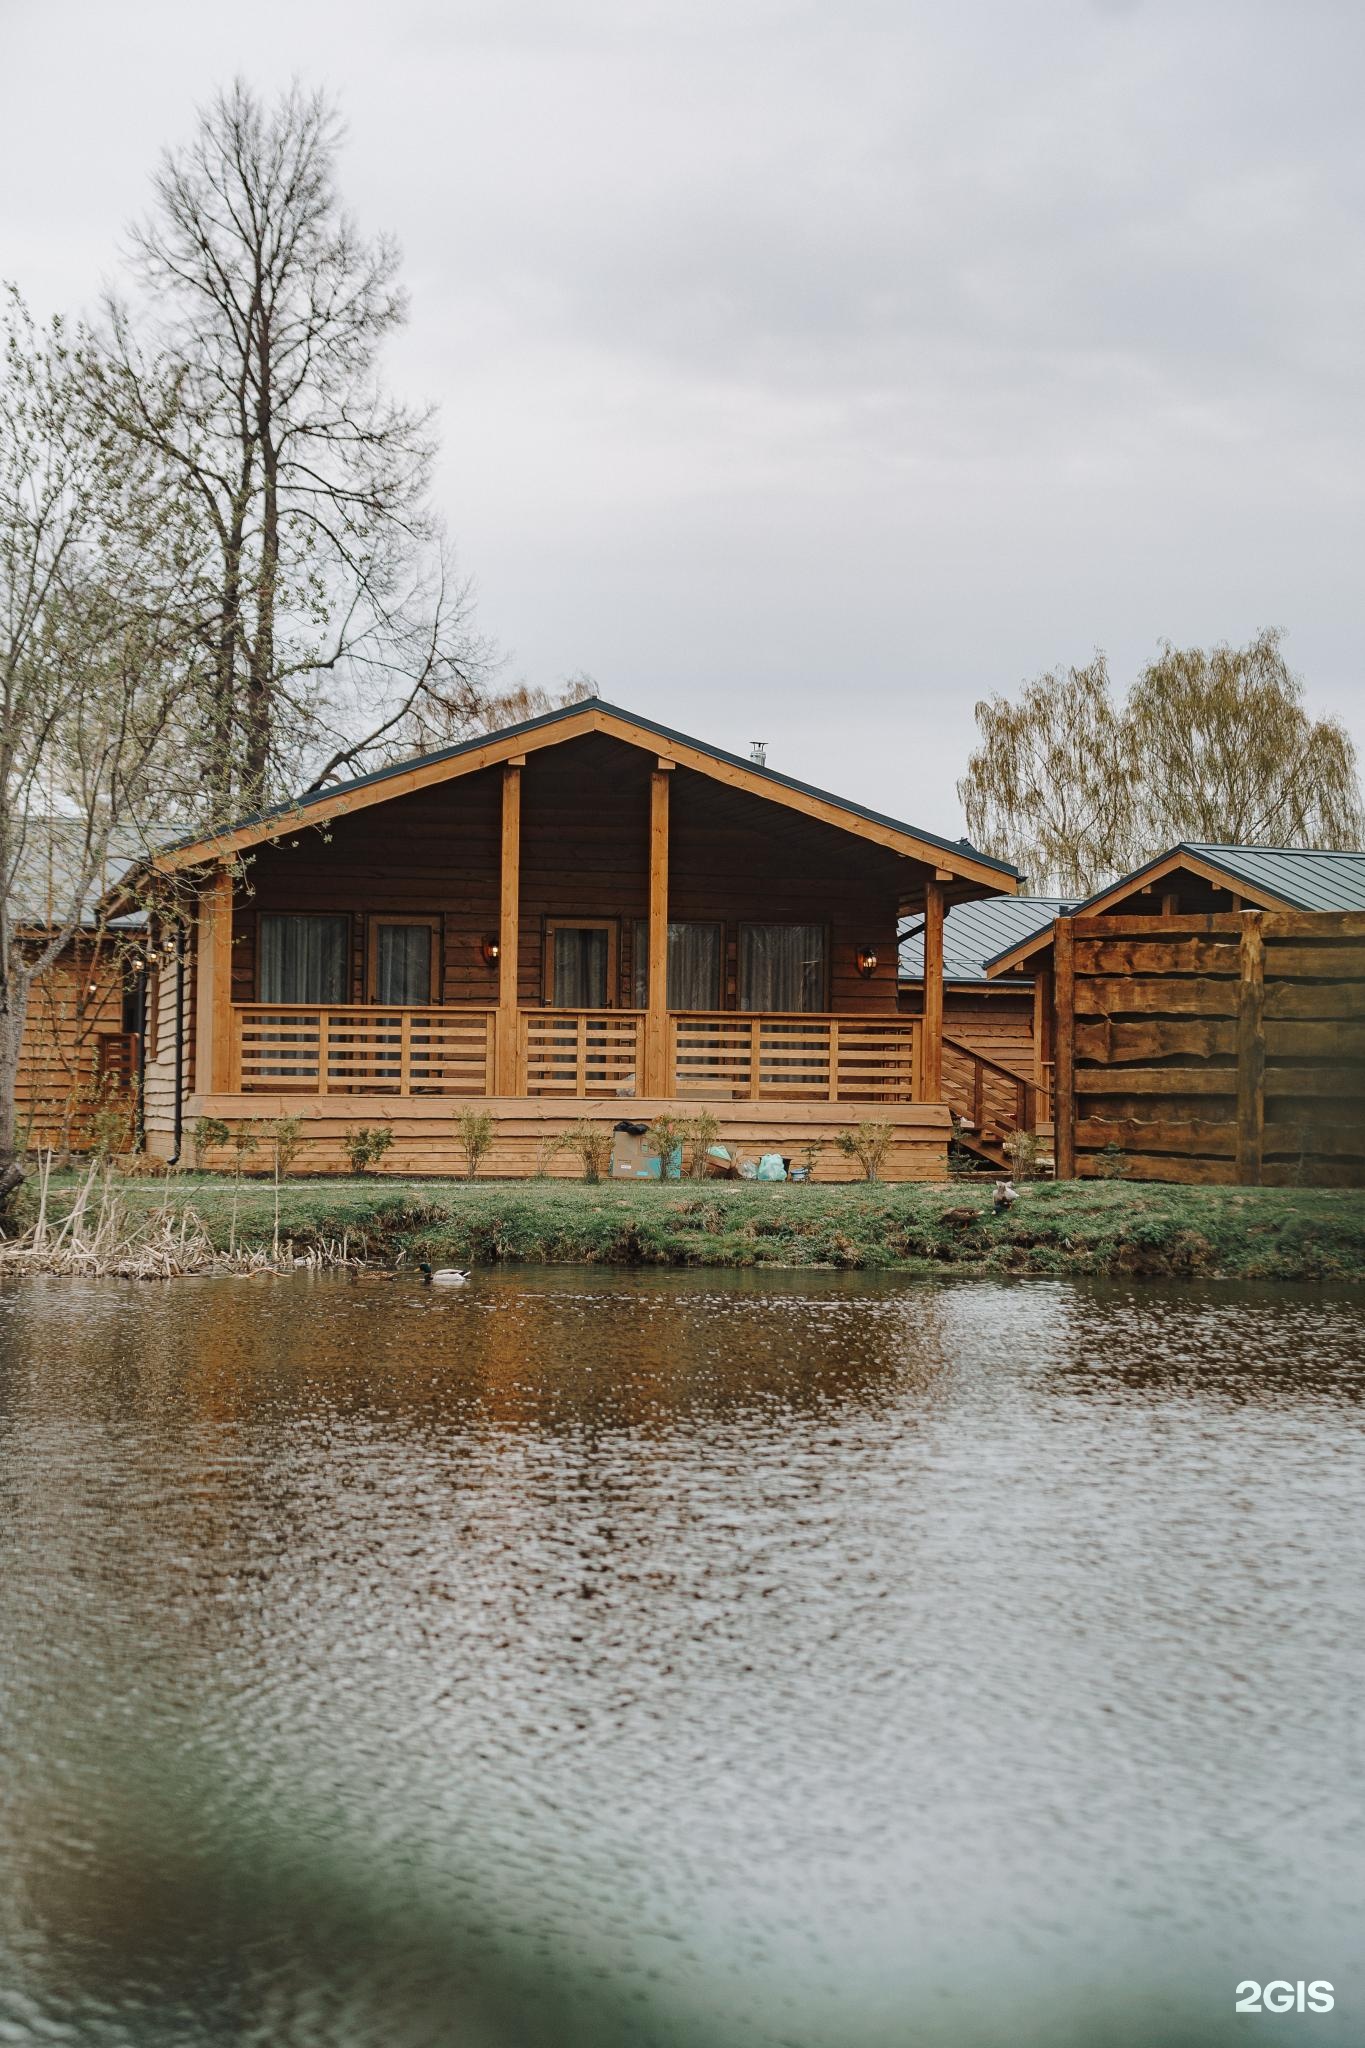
[810, 370]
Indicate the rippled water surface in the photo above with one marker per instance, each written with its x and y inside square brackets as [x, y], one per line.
[677, 1658]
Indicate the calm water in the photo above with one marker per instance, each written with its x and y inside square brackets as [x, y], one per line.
[677, 1658]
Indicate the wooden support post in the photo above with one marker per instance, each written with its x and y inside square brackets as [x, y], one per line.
[1251, 1051]
[931, 1057]
[1064, 1047]
[214, 1035]
[655, 1080]
[509, 929]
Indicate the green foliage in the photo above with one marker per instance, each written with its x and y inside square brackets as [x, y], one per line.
[365, 1148]
[868, 1143]
[208, 1134]
[109, 1118]
[1111, 1164]
[665, 1136]
[700, 1133]
[1023, 1150]
[285, 1135]
[810, 1154]
[591, 1144]
[474, 1129]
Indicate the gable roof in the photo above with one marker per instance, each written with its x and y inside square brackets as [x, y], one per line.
[973, 932]
[957, 856]
[48, 867]
[1270, 877]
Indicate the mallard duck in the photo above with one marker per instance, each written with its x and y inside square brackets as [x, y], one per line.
[444, 1276]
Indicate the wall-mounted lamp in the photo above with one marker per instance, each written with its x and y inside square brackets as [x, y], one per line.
[491, 951]
[867, 961]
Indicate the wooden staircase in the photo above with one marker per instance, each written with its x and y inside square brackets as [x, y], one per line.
[990, 1101]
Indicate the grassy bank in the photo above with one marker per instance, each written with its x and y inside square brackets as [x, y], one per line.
[1075, 1227]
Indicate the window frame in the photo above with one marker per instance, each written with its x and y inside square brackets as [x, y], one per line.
[329, 910]
[822, 1008]
[551, 925]
[640, 963]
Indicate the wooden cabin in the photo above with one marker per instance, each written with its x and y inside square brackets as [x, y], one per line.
[1201, 1018]
[586, 916]
[995, 1079]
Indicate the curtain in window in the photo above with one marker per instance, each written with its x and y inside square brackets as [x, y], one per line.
[580, 967]
[304, 959]
[781, 967]
[693, 966]
[402, 968]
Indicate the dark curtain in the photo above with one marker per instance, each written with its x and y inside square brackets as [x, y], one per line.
[694, 953]
[304, 959]
[580, 967]
[402, 963]
[781, 967]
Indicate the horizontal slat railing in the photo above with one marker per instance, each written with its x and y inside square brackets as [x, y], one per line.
[580, 1052]
[993, 1097]
[730, 1055]
[354, 1050]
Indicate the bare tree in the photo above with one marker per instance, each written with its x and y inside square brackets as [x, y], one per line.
[1230, 757]
[93, 632]
[251, 366]
[1047, 788]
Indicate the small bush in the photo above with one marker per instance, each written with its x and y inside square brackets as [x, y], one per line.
[700, 1133]
[207, 1134]
[665, 1136]
[365, 1148]
[474, 1129]
[1111, 1164]
[1022, 1150]
[285, 1135]
[592, 1144]
[869, 1144]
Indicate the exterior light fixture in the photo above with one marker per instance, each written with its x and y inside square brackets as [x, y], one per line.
[867, 961]
[491, 951]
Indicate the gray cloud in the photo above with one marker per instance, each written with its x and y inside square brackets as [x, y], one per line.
[810, 372]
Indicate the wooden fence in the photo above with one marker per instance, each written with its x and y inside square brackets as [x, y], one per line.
[1223, 1048]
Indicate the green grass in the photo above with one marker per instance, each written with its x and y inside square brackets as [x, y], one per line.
[1055, 1228]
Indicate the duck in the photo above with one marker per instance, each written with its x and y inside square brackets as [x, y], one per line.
[1006, 1195]
[366, 1275]
[444, 1276]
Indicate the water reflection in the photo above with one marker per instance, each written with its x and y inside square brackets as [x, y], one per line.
[671, 1657]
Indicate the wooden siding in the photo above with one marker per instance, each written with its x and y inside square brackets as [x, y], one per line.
[1224, 1047]
[425, 1139]
[159, 1072]
[585, 850]
[62, 1058]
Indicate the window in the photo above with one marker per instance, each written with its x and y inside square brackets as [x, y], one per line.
[304, 959]
[694, 955]
[782, 967]
[404, 958]
[580, 963]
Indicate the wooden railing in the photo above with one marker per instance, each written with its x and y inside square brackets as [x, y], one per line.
[726, 1055]
[717, 1055]
[993, 1098]
[579, 1052]
[281, 1047]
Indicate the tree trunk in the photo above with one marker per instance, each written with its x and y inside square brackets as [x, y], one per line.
[261, 672]
[13, 1015]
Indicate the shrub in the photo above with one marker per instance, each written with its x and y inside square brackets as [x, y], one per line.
[1022, 1150]
[869, 1144]
[700, 1133]
[591, 1142]
[208, 1134]
[285, 1135]
[474, 1129]
[109, 1119]
[810, 1153]
[365, 1148]
[665, 1137]
[1110, 1164]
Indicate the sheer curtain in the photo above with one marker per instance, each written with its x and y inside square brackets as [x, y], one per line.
[693, 966]
[304, 959]
[580, 967]
[781, 967]
[402, 968]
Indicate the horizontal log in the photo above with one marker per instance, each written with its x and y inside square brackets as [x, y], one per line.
[1113, 995]
[1286, 1078]
[1313, 1173]
[1199, 1137]
[1159, 955]
[1155, 1038]
[1314, 999]
[1324, 1139]
[1338, 1040]
[1160, 1166]
[1127, 926]
[1313, 924]
[1156, 1081]
[1297, 962]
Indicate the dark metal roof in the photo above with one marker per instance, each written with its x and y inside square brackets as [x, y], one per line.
[974, 933]
[1303, 877]
[301, 805]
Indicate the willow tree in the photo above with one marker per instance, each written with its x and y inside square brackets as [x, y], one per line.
[1229, 756]
[1046, 788]
[249, 359]
[1215, 747]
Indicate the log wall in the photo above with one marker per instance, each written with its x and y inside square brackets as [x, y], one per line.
[63, 1062]
[1226, 1047]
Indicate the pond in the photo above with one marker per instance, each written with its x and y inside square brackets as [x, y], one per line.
[677, 1657]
